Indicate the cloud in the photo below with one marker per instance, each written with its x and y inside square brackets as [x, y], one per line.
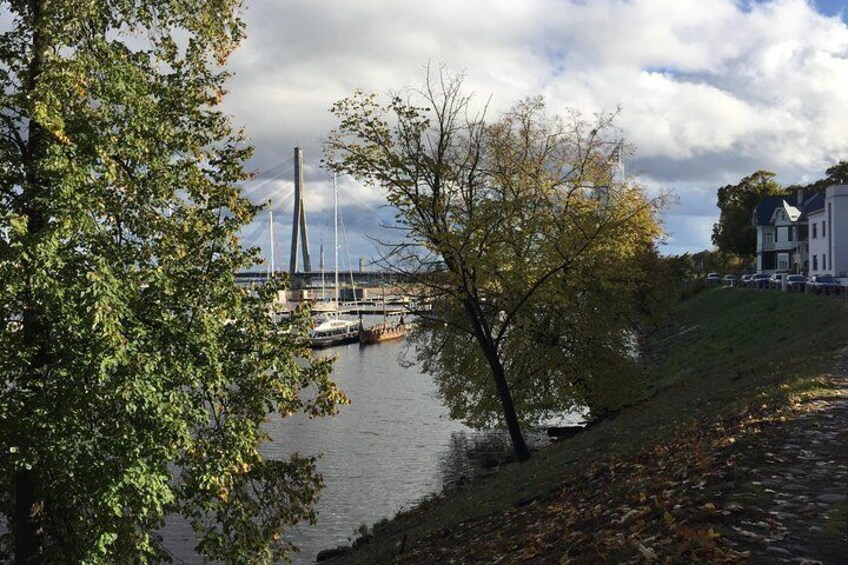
[685, 229]
[710, 91]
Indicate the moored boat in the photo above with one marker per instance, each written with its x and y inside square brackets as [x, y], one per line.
[334, 331]
[382, 332]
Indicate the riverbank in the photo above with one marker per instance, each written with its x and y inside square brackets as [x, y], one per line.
[744, 382]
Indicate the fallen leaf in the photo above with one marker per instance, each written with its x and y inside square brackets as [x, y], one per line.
[648, 553]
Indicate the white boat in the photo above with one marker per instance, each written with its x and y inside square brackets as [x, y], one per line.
[332, 330]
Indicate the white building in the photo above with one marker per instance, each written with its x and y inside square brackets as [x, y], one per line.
[828, 229]
[803, 235]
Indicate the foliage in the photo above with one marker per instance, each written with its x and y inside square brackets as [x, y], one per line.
[135, 374]
[717, 261]
[734, 233]
[836, 174]
[525, 239]
[663, 281]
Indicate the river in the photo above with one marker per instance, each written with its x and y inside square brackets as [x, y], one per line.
[393, 445]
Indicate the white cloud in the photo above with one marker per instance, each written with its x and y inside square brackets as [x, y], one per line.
[710, 91]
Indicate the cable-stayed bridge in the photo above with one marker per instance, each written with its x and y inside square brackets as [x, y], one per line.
[301, 271]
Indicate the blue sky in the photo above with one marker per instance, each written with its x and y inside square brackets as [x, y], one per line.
[831, 7]
[710, 91]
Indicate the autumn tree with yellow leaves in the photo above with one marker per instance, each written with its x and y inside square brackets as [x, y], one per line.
[528, 242]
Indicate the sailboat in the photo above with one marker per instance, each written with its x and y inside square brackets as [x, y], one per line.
[331, 329]
[383, 331]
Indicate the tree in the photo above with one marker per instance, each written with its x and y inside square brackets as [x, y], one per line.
[734, 232]
[836, 174]
[136, 375]
[520, 233]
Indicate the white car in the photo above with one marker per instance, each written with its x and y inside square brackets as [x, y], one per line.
[776, 280]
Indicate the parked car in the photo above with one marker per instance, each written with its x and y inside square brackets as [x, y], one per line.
[713, 277]
[730, 280]
[822, 283]
[760, 280]
[776, 280]
[745, 280]
[795, 283]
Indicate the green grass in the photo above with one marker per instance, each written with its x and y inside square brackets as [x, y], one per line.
[834, 527]
[725, 329]
[723, 349]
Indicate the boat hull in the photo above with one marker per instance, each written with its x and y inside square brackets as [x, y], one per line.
[320, 342]
[380, 333]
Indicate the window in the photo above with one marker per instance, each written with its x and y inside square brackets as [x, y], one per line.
[824, 260]
[768, 237]
[783, 262]
[814, 230]
[782, 235]
[824, 230]
[815, 262]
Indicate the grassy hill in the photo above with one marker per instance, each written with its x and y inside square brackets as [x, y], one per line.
[722, 351]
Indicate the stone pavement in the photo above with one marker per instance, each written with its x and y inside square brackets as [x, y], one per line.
[793, 505]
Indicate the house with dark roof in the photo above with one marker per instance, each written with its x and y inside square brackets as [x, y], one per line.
[781, 234]
[803, 235]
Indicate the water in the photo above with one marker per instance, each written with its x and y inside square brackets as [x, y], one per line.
[393, 445]
[380, 453]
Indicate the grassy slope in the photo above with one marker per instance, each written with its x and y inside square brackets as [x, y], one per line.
[723, 350]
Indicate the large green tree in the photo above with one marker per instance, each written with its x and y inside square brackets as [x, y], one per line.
[734, 233]
[522, 236]
[134, 374]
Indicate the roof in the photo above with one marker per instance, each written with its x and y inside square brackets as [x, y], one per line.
[813, 204]
[765, 208]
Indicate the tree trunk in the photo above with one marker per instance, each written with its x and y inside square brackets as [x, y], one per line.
[522, 453]
[25, 524]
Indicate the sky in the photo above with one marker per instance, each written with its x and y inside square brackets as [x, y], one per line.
[709, 91]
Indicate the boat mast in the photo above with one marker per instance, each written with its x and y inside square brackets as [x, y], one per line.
[336, 234]
[385, 312]
[271, 227]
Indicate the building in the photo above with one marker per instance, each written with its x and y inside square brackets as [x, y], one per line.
[781, 239]
[803, 235]
[827, 218]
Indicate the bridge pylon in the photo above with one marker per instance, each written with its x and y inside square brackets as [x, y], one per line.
[299, 231]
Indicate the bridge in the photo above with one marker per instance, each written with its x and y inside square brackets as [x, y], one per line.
[307, 277]
[312, 279]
